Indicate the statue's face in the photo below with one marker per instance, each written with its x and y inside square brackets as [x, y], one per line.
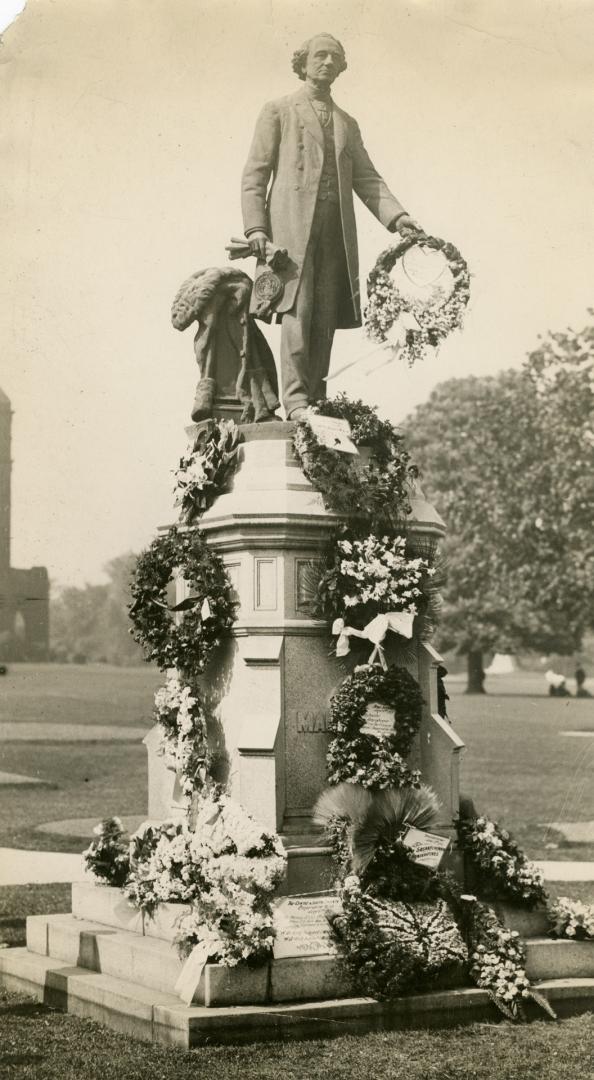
[324, 61]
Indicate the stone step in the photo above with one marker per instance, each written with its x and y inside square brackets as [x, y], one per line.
[154, 963]
[107, 906]
[159, 1017]
[146, 961]
[559, 959]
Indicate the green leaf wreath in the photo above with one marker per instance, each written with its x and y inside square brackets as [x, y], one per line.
[188, 644]
[359, 758]
[376, 488]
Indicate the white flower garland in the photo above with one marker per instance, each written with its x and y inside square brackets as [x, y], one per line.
[501, 866]
[184, 739]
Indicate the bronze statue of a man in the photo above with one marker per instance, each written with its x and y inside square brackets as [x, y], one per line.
[314, 154]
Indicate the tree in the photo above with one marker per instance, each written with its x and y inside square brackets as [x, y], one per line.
[92, 623]
[509, 463]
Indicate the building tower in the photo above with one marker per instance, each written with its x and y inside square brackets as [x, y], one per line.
[24, 594]
[5, 471]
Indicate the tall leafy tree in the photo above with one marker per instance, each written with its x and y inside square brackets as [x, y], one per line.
[509, 463]
[92, 623]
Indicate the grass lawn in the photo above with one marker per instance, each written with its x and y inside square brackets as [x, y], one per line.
[33, 900]
[518, 768]
[36, 1043]
[87, 779]
[78, 694]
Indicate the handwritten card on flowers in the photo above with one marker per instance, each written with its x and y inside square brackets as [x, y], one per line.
[379, 720]
[301, 925]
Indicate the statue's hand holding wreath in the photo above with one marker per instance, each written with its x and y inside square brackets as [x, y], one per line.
[405, 225]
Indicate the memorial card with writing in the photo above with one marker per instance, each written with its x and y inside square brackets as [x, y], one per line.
[333, 432]
[428, 849]
[379, 720]
[302, 927]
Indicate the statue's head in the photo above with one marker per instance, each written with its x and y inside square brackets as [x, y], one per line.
[320, 59]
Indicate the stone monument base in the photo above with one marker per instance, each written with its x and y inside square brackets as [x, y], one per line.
[105, 962]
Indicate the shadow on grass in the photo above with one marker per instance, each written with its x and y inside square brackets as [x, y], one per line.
[20, 1059]
[28, 1009]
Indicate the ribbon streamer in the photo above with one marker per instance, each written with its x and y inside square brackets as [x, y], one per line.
[399, 622]
[191, 973]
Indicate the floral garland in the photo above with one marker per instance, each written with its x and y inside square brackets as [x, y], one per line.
[224, 866]
[420, 324]
[370, 760]
[183, 727]
[371, 576]
[377, 489]
[499, 867]
[497, 963]
[207, 616]
[205, 468]
[571, 919]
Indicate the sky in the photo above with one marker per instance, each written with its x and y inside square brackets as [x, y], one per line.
[123, 132]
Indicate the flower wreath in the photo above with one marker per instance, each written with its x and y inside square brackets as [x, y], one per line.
[207, 615]
[427, 323]
[378, 489]
[204, 469]
[360, 758]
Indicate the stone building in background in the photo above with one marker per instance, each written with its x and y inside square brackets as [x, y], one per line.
[24, 594]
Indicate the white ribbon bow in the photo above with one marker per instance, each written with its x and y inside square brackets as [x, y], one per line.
[399, 622]
[396, 335]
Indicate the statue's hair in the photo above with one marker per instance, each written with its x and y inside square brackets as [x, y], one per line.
[300, 56]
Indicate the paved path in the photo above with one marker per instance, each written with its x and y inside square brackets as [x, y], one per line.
[575, 832]
[33, 732]
[567, 871]
[39, 867]
[19, 867]
[12, 779]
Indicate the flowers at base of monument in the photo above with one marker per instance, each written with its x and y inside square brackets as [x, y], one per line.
[366, 831]
[184, 744]
[410, 325]
[376, 485]
[499, 866]
[205, 468]
[390, 947]
[373, 760]
[223, 865]
[571, 919]
[108, 856]
[370, 576]
[497, 959]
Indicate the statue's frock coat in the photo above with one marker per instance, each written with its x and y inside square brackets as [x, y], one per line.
[288, 146]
